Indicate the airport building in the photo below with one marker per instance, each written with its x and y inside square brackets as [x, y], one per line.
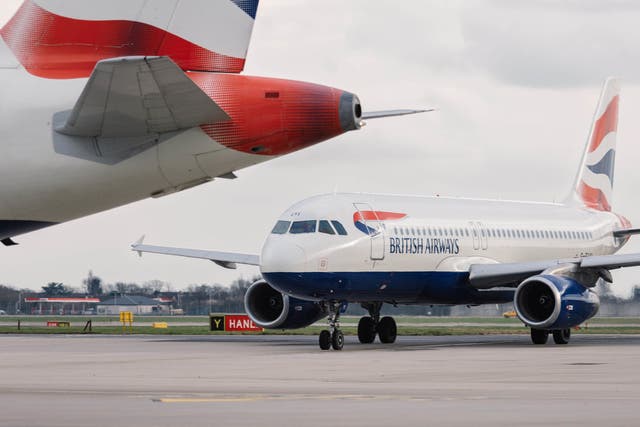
[61, 305]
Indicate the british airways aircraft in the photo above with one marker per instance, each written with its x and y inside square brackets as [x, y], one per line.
[103, 103]
[374, 249]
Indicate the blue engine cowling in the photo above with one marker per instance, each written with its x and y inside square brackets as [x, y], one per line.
[271, 309]
[554, 302]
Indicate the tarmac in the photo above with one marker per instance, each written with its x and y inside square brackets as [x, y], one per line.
[52, 380]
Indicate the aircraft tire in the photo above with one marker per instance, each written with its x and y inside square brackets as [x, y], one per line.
[337, 340]
[387, 330]
[562, 336]
[366, 330]
[539, 336]
[325, 340]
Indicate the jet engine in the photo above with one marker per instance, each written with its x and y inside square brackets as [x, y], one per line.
[271, 309]
[554, 302]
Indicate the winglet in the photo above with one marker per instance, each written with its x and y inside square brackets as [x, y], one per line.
[138, 243]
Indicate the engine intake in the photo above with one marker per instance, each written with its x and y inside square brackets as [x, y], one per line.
[554, 302]
[271, 309]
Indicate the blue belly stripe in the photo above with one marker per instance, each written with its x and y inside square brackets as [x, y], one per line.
[406, 287]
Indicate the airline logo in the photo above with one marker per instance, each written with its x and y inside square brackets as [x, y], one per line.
[596, 184]
[360, 219]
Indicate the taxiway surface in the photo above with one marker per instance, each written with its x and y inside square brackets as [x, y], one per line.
[288, 381]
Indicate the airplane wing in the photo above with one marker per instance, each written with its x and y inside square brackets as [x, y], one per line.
[223, 259]
[139, 96]
[486, 276]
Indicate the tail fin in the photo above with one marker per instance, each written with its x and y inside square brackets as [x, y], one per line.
[65, 39]
[594, 182]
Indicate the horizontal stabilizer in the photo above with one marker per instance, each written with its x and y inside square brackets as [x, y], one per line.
[137, 96]
[392, 113]
[223, 259]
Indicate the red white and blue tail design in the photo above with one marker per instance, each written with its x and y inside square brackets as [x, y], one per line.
[65, 39]
[594, 184]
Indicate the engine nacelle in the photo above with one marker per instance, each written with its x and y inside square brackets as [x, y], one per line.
[554, 302]
[271, 309]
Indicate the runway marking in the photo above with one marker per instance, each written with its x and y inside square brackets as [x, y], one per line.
[353, 397]
[209, 400]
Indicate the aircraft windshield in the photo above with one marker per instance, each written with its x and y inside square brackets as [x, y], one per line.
[281, 227]
[300, 227]
[331, 227]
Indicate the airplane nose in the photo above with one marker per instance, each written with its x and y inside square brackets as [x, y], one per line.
[281, 256]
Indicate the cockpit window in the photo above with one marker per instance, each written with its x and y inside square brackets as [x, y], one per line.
[300, 227]
[339, 228]
[281, 227]
[325, 227]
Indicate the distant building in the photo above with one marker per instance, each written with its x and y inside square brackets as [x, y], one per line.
[61, 305]
[132, 303]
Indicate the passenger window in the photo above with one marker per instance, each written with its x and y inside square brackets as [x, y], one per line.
[281, 227]
[340, 229]
[325, 227]
[301, 227]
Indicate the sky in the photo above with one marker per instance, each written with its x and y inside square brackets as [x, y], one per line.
[515, 84]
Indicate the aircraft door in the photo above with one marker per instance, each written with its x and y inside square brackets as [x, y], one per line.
[371, 225]
[475, 233]
[484, 236]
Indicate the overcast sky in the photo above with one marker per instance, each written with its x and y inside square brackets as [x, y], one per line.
[515, 84]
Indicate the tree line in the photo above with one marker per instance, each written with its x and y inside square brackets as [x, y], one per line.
[201, 299]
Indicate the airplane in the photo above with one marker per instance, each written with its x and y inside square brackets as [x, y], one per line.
[103, 103]
[373, 249]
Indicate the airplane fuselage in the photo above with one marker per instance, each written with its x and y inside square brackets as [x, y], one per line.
[49, 177]
[406, 249]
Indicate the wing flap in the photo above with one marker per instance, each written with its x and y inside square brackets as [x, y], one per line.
[139, 96]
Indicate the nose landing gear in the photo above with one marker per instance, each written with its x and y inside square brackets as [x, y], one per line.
[334, 336]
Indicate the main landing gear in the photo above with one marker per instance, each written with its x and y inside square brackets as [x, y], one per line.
[368, 327]
[560, 336]
[371, 325]
[334, 336]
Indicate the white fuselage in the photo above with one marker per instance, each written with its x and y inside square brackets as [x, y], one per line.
[38, 183]
[428, 235]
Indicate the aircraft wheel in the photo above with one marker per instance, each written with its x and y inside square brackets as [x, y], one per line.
[366, 330]
[539, 336]
[562, 336]
[337, 340]
[325, 340]
[387, 330]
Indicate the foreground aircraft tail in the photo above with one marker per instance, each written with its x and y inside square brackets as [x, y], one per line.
[594, 183]
[65, 39]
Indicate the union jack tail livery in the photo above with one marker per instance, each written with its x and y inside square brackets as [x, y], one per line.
[65, 39]
[594, 184]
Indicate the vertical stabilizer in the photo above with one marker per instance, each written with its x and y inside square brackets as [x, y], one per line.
[594, 184]
[65, 39]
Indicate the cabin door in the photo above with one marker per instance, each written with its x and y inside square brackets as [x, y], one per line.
[480, 235]
[366, 220]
